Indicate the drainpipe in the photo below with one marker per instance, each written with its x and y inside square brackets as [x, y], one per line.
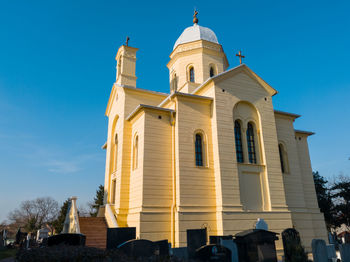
[173, 206]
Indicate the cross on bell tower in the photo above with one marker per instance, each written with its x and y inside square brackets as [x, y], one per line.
[240, 56]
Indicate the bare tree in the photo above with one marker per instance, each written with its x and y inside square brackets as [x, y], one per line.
[32, 214]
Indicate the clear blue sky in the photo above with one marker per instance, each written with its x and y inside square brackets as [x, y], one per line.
[57, 68]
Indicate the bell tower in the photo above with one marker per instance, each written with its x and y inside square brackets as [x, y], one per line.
[196, 56]
[126, 65]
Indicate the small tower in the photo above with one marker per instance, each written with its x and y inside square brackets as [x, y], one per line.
[196, 56]
[126, 65]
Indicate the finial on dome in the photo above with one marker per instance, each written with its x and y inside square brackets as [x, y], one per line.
[195, 19]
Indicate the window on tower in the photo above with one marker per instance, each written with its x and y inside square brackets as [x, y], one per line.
[251, 144]
[199, 149]
[212, 72]
[191, 74]
[238, 139]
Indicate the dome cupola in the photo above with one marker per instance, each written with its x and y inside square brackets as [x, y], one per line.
[194, 33]
[196, 56]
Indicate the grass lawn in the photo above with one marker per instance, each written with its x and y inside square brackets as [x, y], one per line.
[4, 253]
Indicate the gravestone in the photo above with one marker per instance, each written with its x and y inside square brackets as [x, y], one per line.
[180, 253]
[69, 239]
[293, 250]
[256, 245]
[231, 245]
[331, 239]
[332, 255]
[344, 250]
[162, 248]
[319, 250]
[216, 239]
[347, 237]
[138, 248]
[261, 224]
[196, 238]
[41, 234]
[119, 235]
[213, 252]
[2, 241]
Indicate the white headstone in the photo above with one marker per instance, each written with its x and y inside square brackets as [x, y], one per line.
[42, 233]
[261, 224]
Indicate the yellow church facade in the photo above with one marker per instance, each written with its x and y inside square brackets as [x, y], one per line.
[211, 153]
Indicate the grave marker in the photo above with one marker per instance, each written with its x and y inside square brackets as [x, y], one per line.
[345, 252]
[196, 238]
[119, 235]
[319, 250]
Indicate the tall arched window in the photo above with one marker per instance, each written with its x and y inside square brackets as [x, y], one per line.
[199, 150]
[212, 72]
[135, 153]
[238, 139]
[280, 149]
[283, 158]
[251, 144]
[191, 74]
[115, 152]
[175, 83]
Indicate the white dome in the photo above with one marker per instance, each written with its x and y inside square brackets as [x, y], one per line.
[194, 33]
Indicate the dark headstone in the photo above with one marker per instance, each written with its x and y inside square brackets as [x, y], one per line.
[347, 237]
[162, 248]
[138, 248]
[216, 239]
[293, 250]
[319, 250]
[119, 235]
[180, 253]
[256, 245]
[196, 238]
[213, 252]
[344, 250]
[68, 239]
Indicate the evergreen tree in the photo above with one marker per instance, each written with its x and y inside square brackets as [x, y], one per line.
[59, 222]
[341, 195]
[324, 199]
[98, 201]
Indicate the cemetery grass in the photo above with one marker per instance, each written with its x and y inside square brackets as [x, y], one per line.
[5, 253]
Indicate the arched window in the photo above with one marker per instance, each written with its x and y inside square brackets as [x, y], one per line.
[238, 139]
[174, 83]
[283, 158]
[191, 74]
[251, 144]
[212, 72]
[115, 151]
[135, 153]
[199, 150]
[280, 149]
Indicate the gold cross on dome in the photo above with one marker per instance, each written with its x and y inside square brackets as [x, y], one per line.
[240, 56]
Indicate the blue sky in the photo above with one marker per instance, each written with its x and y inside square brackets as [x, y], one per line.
[57, 68]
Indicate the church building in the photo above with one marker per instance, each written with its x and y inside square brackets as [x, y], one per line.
[212, 153]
